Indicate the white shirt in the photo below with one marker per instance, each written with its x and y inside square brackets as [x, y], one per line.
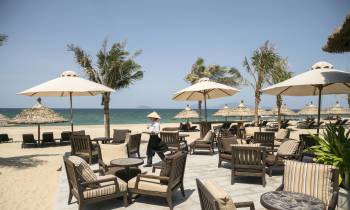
[154, 127]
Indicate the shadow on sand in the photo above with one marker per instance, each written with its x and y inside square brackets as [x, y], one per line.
[25, 161]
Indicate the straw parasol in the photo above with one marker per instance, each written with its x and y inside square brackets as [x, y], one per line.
[68, 84]
[325, 80]
[339, 40]
[264, 112]
[204, 89]
[187, 113]
[37, 115]
[337, 109]
[241, 110]
[285, 111]
[309, 110]
[3, 120]
[224, 112]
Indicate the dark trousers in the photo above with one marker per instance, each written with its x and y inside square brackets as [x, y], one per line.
[155, 145]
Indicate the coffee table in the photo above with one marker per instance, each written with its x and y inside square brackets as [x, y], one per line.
[102, 139]
[127, 163]
[282, 200]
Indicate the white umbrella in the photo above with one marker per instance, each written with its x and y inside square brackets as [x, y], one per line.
[68, 84]
[204, 90]
[322, 79]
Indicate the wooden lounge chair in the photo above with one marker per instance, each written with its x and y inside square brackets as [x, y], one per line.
[344, 122]
[28, 140]
[65, 137]
[248, 160]
[206, 143]
[133, 143]
[4, 138]
[265, 139]
[289, 149]
[299, 177]
[225, 149]
[307, 141]
[81, 146]
[162, 185]
[212, 197]
[173, 141]
[48, 138]
[280, 136]
[109, 152]
[119, 135]
[170, 129]
[88, 188]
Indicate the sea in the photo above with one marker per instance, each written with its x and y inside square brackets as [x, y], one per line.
[118, 116]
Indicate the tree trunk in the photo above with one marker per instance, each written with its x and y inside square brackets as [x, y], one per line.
[200, 110]
[257, 102]
[349, 100]
[106, 115]
[279, 104]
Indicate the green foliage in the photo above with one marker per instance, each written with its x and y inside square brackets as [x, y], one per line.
[333, 148]
[3, 39]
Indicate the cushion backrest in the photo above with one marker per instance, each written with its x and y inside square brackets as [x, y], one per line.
[84, 170]
[4, 137]
[65, 135]
[112, 151]
[222, 198]
[249, 131]
[282, 134]
[28, 138]
[226, 143]
[209, 137]
[119, 135]
[311, 179]
[48, 137]
[288, 147]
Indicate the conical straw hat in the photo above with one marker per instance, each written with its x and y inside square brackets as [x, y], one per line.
[154, 115]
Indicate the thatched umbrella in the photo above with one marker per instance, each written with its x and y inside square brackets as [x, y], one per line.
[37, 115]
[241, 110]
[3, 120]
[264, 112]
[285, 111]
[224, 112]
[309, 110]
[337, 110]
[187, 113]
[339, 40]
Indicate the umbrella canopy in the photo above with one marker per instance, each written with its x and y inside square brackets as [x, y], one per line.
[224, 112]
[68, 84]
[187, 113]
[3, 120]
[264, 112]
[322, 79]
[37, 115]
[284, 111]
[337, 110]
[203, 90]
[339, 40]
[241, 110]
[309, 110]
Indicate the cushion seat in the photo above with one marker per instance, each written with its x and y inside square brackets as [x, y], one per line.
[106, 189]
[152, 185]
[226, 156]
[270, 160]
[224, 201]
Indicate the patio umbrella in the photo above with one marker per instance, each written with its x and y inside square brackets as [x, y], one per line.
[337, 109]
[68, 84]
[187, 113]
[3, 120]
[309, 110]
[224, 112]
[322, 79]
[204, 89]
[285, 111]
[264, 112]
[241, 110]
[37, 115]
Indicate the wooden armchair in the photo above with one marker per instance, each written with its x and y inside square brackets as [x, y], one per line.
[5, 138]
[29, 140]
[133, 143]
[119, 135]
[280, 136]
[289, 149]
[307, 141]
[265, 139]
[225, 148]
[213, 198]
[164, 184]
[87, 188]
[316, 180]
[206, 143]
[248, 160]
[81, 146]
[172, 140]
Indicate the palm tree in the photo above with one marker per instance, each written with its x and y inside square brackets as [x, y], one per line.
[221, 74]
[116, 68]
[279, 74]
[3, 38]
[260, 69]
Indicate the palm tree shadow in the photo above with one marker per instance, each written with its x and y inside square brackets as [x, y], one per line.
[25, 161]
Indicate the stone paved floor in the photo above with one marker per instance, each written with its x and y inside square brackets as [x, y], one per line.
[200, 166]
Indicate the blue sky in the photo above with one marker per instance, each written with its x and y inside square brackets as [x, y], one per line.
[172, 34]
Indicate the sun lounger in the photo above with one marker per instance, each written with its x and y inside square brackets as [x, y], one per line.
[5, 138]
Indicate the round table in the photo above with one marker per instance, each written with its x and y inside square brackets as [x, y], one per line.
[127, 163]
[282, 200]
[102, 139]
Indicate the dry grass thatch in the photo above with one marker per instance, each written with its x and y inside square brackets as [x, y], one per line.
[187, 113]
[3, 120]
[285, 111]
[339, 40]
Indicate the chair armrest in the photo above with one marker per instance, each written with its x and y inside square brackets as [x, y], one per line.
[97, 171]
[280, 188]
[84, 184]
[333, 202]
[163, 178]
[245, 204]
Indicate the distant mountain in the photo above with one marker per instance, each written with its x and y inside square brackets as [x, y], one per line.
[143, 107]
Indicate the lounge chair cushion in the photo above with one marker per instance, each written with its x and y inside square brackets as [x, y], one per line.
[226, 143]
[106, 189]
[288, 147]
[208, 137]
[281, 134]
[153, 185]
[113, 151]
[224, 201]
[226, 156]
[309, 178]
[84, 170]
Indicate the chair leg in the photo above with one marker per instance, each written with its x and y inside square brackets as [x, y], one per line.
[170, 201]
[219, 164]
[263, 180]
[125, 200]
[81, 206]
[70, 197]
[270, 171]
[182, 190]
[232, 177]
[138, 154]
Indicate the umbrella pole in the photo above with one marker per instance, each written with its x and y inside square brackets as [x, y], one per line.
[71, 110]
[319, 109]
[205, 106]
[39, 133]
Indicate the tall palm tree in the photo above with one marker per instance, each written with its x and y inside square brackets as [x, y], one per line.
[260, 69]
[221, 74]
[3, 38]
[279, 74]
[116, 68]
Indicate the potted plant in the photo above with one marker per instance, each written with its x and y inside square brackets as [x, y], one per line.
[334, 149]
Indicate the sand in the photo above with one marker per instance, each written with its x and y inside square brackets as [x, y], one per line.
[29, 177]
